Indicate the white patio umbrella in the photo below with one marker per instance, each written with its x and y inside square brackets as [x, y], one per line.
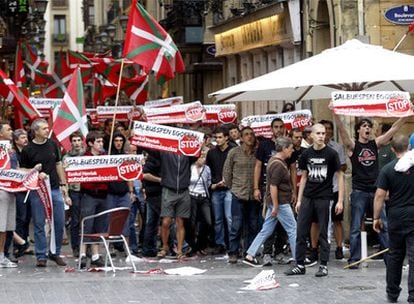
[352, 66]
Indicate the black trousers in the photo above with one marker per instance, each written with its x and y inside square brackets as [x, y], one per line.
[401, 241]
[308, 207]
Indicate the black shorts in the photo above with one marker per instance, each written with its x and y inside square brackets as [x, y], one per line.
[336, 217]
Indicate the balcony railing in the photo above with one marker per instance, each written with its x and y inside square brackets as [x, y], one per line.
[59, 3]
[60, 39]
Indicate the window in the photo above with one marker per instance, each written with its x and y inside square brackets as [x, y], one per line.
[59, 29]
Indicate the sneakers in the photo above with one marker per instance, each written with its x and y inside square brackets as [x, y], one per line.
[98, 262]
[233, 259]
[6, 263]
[322, 272]
[295, 270]
[253, 262]
[267, 260]
[309, 262]
[57, 259]
[83, 261]
[339, 255]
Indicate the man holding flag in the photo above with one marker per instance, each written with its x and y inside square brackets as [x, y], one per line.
[44, 151]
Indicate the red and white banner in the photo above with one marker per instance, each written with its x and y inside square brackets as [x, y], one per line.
[122, 113]
[45, 194]
[167, 139]
[103, 168]
[372, 103]
[184, 113]
[19, 181]
[166, 102]
[220, 114]
[261, 123]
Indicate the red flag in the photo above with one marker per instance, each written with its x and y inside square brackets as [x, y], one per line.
[149, 45]
[71, 116]
[14, 96]
[19, 73]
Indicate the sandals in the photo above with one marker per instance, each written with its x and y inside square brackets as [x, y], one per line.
[180, 256]
[162, 254]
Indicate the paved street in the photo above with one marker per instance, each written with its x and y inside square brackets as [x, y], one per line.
[221, 283]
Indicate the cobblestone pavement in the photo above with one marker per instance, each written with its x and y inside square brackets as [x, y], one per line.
[221, 283]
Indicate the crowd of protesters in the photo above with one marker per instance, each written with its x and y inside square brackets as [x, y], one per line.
[256, 199]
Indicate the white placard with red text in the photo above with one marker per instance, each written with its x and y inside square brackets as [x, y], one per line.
[103, 168]
[46, 106]
[166, 102]
[220, 114]
[122, 113]
[372, 103]
[261, 123]
[18, 181]
[167, 139]
[183, 113]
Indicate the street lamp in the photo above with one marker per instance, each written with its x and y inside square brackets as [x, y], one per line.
[111, 30]
[123, 20]
[41, 6]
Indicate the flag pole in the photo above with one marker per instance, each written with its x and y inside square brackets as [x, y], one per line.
[410, 29]
[118, 89]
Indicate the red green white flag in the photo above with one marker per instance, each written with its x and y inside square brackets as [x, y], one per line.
[149, 45]
[71, 116]
[15, 97]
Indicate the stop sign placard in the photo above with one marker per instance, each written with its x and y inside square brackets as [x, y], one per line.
[130, 170]
[4, 158]
[194, 113]
[189, 145]
[398, 107]
[301, 122]
[226, 116]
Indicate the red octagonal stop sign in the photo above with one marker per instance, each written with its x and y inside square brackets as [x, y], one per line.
[194, 113]
[130, 170]
[189, 145]
[227, 116]
[301, 122]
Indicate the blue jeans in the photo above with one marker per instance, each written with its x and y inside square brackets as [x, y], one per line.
[221, 203]
[360, 203]
[75, 210]
[38, 215]
[115, 201]
[133, 241]
[286, 218]
[91, 205]
[245, 216]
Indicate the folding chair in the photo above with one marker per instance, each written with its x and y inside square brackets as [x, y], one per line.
[117, 219]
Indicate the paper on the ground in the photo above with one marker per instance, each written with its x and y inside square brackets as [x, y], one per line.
[187, 270]
[263, 281]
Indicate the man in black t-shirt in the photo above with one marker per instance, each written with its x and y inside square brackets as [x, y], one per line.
[318, 163]
[400, 210]
[363, 152]
[44, 151]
